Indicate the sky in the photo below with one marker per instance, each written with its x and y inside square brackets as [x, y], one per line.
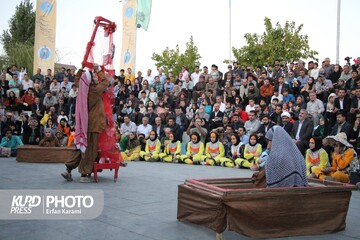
[174, 22]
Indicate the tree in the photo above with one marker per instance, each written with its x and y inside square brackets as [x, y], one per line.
[284, 43]
[18, 40]
[172, 59]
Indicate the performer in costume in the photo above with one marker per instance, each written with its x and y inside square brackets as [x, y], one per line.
[316, 158]
[152, 148]
[252, 152]
[214, 150]
[133, 148]
[90, 122]
[172, 150]
[234, 153]
[285, 166]
[194, 151]
[343, 159]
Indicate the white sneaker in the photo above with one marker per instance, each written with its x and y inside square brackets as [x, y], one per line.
[85, 179]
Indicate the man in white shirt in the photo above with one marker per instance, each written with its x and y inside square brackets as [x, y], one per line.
[144, 128]
[222, 105]
[149, 78]
[195, 75]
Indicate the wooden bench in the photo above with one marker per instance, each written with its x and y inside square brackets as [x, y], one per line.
[36, 154]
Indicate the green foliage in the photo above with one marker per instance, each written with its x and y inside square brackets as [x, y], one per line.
[284, 43]
[18, 40]
[22, 54]
[172, 59]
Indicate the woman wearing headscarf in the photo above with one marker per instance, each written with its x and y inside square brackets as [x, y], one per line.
[316, 158]
[285, 166]
[133, 148]
[49, 139]
[252, 152]
[233, 153]
[322, 130]
[214, 150]
[343, 159]
[172, 150]
[152, 148]
[194, 150]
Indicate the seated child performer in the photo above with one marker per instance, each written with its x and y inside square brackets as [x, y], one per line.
[214, 150]
[316, 158]
[343, 159]
[172, 150]
[252, 152]
[194, 150]
[152, 148]
[133, 148]
[233, 153]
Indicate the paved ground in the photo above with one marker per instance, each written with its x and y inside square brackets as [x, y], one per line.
[142, 205]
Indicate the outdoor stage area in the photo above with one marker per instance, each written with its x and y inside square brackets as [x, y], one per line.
[141, 205]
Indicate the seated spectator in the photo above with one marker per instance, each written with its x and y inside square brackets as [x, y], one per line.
[11, 141]
[315, 108]
[342, 125]
[12, 102]
[252, 125]
[144, 128]
[26, 101]
[63, 140]
[342, 157]
[14, 85]
[316, 158]
[64, 127]
[308, 88]
[49, 100]
[323, 88]
[33, 135]
[49, 139]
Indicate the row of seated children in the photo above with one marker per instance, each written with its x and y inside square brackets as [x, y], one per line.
[239, 154]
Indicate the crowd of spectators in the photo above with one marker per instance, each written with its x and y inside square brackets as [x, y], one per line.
[308, 101]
